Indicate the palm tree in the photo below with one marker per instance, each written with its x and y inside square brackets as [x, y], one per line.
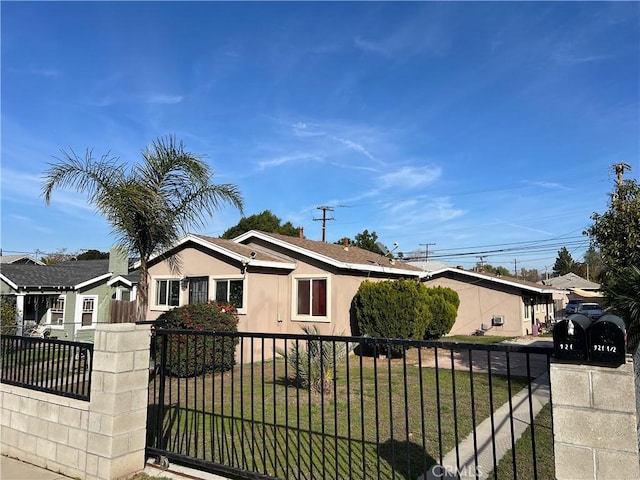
[149, 206]
[622, 291]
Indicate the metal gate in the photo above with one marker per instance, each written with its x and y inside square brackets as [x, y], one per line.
[303, 406]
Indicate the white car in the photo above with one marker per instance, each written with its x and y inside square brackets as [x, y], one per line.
[591, 310]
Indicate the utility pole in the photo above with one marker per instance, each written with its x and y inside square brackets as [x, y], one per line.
[619, 169]
[324, 218]
[426, 259]
[515, 268]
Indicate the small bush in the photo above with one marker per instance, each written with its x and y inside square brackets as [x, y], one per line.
[314, 361]
[8, 312]
[190, 355]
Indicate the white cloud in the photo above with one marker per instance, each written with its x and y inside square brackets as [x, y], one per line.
[550, 185]
[421, 212]
[161, 99]
[37, 71]
[357, 147]
[279, 161]
[411, 177]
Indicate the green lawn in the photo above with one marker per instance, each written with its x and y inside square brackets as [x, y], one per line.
[386, 419]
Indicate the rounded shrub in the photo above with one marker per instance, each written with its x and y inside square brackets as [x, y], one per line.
[189, 355]
[390, 309]
[442, 304]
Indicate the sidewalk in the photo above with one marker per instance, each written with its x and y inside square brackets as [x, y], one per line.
[12, 469]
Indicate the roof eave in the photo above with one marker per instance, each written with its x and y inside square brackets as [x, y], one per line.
[92, 281]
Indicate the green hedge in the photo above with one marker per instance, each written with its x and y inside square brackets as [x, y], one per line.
[443, 306]
[404, 309]
[190, 355]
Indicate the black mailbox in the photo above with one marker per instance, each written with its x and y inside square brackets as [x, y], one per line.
[608, 341]
[570, 338]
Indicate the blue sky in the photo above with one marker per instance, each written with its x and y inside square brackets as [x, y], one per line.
[472, 127]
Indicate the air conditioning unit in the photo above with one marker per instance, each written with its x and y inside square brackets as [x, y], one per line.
[497, 320]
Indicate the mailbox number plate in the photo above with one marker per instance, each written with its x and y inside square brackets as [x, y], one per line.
[605, 348]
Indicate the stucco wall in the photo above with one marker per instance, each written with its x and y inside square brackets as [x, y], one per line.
[478, 305]
[269, 292]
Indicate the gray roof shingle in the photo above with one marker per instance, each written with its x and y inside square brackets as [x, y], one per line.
[64, 274]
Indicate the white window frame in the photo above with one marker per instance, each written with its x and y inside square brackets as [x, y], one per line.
[80, 311]
[57, 326]
[294, 299]
[121, 290]
[154, 284]
[213, 285]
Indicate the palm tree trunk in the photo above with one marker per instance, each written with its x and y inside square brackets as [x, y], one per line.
[143, 291]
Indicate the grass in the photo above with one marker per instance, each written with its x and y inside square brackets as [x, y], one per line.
[393, 418]
[481, 339]
[544, 460]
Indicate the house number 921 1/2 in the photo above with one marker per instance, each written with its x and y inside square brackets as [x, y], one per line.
[605, 348]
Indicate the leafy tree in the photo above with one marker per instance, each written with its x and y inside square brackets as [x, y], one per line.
[500, 270]
[530, 275]
[93, 255]
[616, 233]
[151, 205]
[366, 241]
[265, 222]
[593, 263]
[58, 256]
[564, 262]
[503, 271]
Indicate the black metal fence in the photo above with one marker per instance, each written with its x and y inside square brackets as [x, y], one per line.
[48, 365]
[309, 407]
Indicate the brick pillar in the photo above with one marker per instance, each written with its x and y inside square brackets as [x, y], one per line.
[119, 397]
[594, 422]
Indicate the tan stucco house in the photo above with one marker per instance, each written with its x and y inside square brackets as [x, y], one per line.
[496, 305]
[277, 282]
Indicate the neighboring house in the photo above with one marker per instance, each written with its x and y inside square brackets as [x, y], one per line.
[576, 288]
[497, 305]
[278, 283]
[71, 297]
[19, 260]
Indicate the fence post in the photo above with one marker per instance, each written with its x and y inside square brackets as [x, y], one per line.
[119, 398]
[594, 421]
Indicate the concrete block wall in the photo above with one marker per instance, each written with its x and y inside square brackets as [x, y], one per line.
[103, 439]
[594, 422]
